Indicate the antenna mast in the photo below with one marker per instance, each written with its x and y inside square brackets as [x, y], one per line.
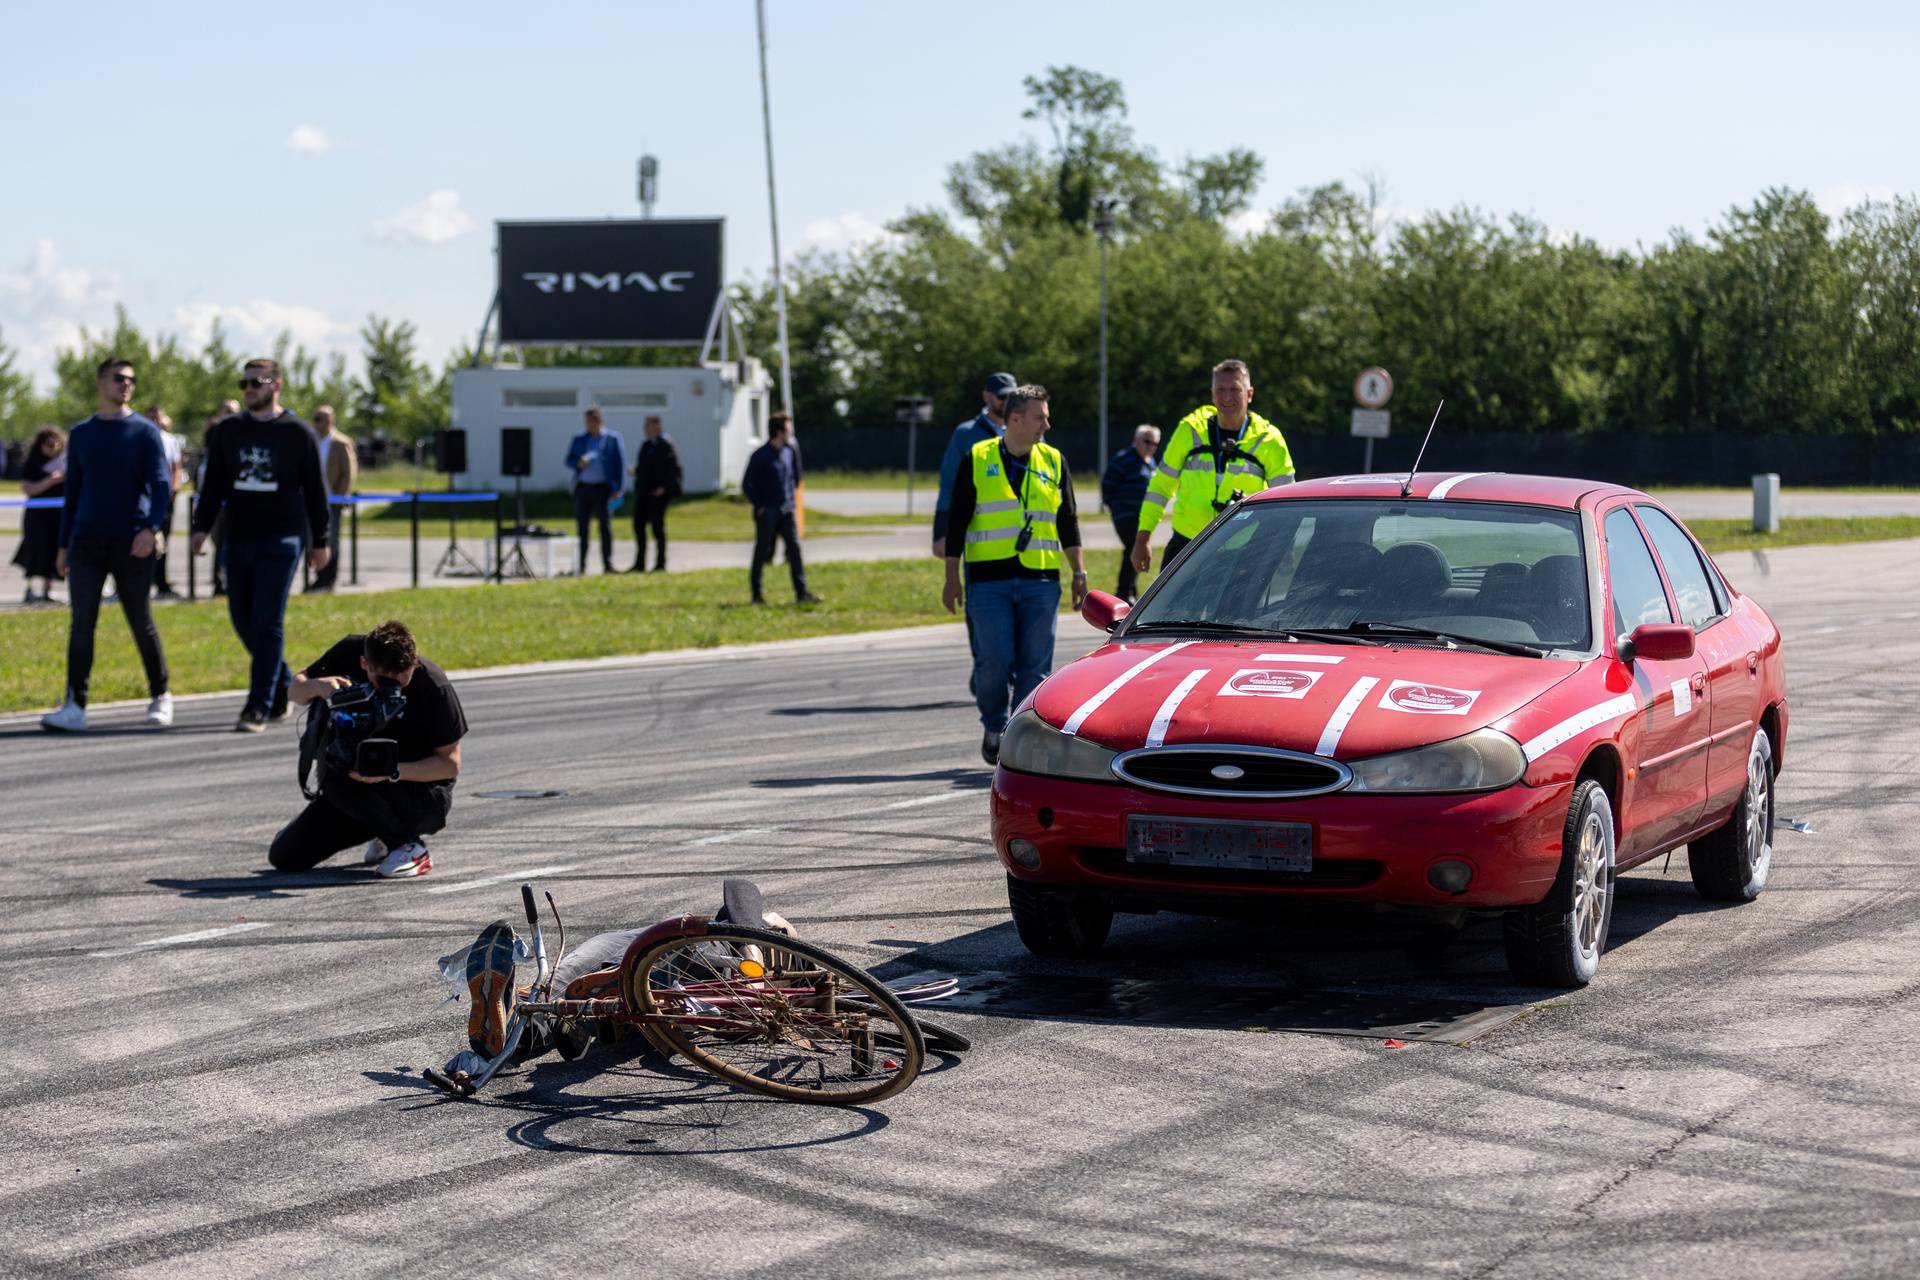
[1406, 486]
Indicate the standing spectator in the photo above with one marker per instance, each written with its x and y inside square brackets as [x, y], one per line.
[116, 488]
[1013, 518]
[342, 471]
[773, 475]
[988, 424]
[227, 409]
[598, 466]
[42, 475]
[656, 483]
[1124, 488]
[176, 445]
[263, 474]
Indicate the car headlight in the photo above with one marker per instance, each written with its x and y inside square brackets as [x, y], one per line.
[1031, 745]
[1484, 760]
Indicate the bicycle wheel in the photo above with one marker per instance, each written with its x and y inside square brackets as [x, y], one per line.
[778, 1016]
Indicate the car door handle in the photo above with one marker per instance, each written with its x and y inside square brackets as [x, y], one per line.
[1753, 664]
[1699, 684]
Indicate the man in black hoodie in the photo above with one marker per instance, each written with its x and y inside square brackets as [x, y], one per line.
[263, 472]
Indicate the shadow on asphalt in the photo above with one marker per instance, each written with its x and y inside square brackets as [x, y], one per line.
[118, 731]
[266, 883]
[868, 710]
[978, 779]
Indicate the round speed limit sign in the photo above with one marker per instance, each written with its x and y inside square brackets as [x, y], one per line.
[1373, 388]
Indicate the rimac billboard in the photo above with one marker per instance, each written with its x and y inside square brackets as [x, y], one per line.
[609, 281]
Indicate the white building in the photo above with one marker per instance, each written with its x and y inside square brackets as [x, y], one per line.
[716, 414]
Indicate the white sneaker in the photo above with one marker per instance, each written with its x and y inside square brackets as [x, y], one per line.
[70, 718]
[376, 852]
[406, 861]
[160, 711]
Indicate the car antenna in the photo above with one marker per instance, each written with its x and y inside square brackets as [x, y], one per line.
[1406, 486]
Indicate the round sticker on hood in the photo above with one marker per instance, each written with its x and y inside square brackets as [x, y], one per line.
[1422, 699]
[1269, 682]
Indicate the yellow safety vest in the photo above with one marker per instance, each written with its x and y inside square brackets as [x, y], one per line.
[1004, 504]
[1199, 481]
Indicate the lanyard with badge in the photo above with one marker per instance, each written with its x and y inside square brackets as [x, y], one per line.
[1025, 536]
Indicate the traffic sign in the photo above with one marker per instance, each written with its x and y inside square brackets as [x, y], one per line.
[1371, 423]
[911, 409]
[1371, 390]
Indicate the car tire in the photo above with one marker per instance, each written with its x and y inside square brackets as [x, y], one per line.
[1058, 922]
[1557, 942]
[1730, 863]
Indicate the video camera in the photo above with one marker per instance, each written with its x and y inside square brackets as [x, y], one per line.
[341, 733]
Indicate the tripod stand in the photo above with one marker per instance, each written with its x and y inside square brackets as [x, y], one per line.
[454, 561]
[513, 564]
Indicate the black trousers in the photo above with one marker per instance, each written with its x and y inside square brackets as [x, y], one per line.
[770, 523]
[649, 512]
[1175, 545]
[89, 563]
[590, 504]
[1127, 527]
[324, 580]
[160, 578]
[350, 813]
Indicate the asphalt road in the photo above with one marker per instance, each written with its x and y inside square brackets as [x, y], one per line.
[1735, 1094]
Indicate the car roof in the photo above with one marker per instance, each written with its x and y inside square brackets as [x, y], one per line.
[1474, 486]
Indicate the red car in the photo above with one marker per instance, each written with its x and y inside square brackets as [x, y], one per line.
[1470, 693]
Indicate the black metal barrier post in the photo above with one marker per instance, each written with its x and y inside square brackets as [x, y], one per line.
[499, 574]
[192, 502]
[415, 504]
[353, 521]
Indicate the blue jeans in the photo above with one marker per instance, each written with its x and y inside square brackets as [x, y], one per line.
[259, 579]
[1012, 622]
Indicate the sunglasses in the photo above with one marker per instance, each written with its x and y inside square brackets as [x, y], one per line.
[247, 384]
[127, 378]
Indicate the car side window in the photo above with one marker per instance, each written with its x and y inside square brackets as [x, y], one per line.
[1632, 579]
[1691, 588]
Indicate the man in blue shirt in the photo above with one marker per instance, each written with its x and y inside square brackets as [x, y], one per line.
[598, 464]
[773, 476]
[1123, 488]
[117, 496]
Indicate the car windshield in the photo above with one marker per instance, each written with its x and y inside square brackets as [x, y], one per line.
[1509, 576]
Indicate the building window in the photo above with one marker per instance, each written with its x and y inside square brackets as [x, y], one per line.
[631, 399]
[540, 397]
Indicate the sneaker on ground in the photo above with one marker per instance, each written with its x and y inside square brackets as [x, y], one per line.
[160, 711]
[376, 852]
[990, 748]
[281, 706]
[408, 860]
[252, 720]
[809, 598]
[70, 718]
[489, 983]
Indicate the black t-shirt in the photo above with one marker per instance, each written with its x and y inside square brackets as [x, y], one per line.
[432, 719]
[266, 475]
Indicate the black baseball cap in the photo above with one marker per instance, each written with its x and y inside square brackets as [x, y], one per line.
[1001, 384]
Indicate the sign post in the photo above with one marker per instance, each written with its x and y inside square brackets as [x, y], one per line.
[912, 410]
[1371, 391]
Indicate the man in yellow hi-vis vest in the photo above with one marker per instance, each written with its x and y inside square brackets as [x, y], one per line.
[1218, 453]
[1012, 520]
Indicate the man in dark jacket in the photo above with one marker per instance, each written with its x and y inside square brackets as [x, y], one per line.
[656, 483]
[1124, 487]
[773, 475]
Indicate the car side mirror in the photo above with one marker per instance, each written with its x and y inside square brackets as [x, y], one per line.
[1658, 642]
[1104, 611]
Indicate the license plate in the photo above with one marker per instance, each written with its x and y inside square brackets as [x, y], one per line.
[1238, 846]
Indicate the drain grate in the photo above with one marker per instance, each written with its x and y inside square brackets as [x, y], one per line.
[1436, 1019]
[519, 795]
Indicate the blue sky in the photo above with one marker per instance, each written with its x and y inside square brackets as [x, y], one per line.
[303, 169]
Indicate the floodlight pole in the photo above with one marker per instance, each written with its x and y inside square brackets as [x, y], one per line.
[1103, 229]
[773, 214]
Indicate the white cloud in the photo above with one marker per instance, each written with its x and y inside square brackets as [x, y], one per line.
[1835, 201]
[309, 140]
[848, 231]
[253, 327]
[435, 220]
[45, 303]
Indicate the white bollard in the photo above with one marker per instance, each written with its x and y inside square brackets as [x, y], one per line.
[1766, 503]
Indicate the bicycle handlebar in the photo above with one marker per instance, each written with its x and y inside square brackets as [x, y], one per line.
[526, 899]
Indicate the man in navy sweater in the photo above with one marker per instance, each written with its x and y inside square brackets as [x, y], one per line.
[772, 480]
[117, 497]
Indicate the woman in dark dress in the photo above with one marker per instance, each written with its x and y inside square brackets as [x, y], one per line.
[42, 475]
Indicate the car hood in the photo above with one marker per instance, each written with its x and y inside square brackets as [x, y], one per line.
[1346, 701]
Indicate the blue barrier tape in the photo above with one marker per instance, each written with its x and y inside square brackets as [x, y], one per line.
[358, 498]
[34, 504]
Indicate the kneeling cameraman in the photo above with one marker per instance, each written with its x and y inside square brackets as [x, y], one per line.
[385, 704]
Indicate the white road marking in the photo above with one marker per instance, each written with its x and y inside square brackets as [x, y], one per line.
[1297, 657]
[1114, 685]
[726, 836]
[917, 801]
[1337, 725]
[181, 939]
[1446, 486]
[1538, 745]
[502, 878]
[1157, 734]
[1822, 631]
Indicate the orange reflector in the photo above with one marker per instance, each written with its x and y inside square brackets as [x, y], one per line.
[752, 969]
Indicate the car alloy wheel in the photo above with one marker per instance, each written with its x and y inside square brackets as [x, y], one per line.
[1730, 864]
[1557, 941]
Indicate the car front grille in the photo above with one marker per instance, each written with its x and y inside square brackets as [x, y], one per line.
[1230, 772]
[1327, 873]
